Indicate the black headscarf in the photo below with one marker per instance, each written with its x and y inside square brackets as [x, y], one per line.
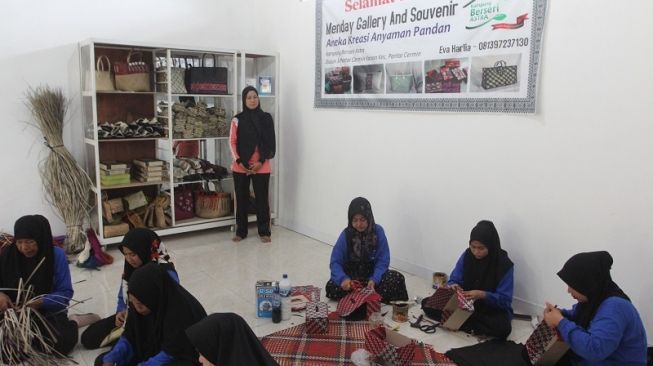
[173, 309]
[14, 265]
[147, 246]
[360, 246]
[485, 274]
[255, 128]
[226, 340]
[589, 274]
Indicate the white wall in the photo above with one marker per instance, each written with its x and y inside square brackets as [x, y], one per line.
[575, 177]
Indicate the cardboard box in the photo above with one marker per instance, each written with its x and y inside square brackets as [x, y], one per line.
[456, 309]
[545, 346]
[389, 347]
[264, 296]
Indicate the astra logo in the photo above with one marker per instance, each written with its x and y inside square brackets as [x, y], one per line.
[485, 12]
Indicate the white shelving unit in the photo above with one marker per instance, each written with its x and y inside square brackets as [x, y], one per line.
[113, 106]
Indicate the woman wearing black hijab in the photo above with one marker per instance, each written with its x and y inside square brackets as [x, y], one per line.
[226, 340]
[160, 310]
[33, 244]
[362, 253]
[139, 246]
[603, 328]
[485, 274]
[253, 144]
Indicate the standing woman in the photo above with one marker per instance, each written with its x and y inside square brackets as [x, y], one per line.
[139, 246]
[160, 310]
[33, 243]
[362, 254]
[603, 328]
[253, 144]
[486, 275]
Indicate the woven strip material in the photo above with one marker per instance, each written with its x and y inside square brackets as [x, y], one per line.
[356, 299]
[542, 338]
[379, 347]
[293, 347]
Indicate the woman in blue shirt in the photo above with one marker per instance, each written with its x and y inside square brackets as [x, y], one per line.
[139, 246]
[33, 244]
[603, 328]
[362, 254]
[160, 311]
[485, 274]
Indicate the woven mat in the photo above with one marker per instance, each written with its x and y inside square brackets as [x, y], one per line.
[293, 347]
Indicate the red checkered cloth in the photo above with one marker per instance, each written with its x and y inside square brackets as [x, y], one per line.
[294, 347]
[300, 295]
[542, 338]
[356, 299]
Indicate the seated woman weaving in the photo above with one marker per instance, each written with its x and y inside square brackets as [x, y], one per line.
[362, 254]
[485, 274]
[603, 328]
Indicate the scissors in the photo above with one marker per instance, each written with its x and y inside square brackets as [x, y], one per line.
[426, 328]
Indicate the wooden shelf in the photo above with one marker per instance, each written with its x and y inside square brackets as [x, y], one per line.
[132, 139]
[134, 183]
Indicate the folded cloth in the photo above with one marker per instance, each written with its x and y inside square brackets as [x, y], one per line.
[491, 353]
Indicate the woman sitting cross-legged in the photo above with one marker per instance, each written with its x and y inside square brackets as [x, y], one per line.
[226, 340]
[603, 328]
[362, 254]
[33, 257]
[139, 246]
[160, 310]
[485, 273]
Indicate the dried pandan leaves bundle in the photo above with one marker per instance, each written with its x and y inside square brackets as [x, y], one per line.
[67, 186]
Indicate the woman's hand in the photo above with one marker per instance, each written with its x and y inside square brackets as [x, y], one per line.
[108, 364]
[474, 295]
[255, 166]
[120, 318]
[5, 302]
[247, 170]
[455, 287]
[346, 285]
[552, 315]
[370, 284]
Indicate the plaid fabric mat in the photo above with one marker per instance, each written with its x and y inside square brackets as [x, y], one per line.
[293, 347]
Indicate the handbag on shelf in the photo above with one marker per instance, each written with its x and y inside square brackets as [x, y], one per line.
[177, 78]
[116, 230]
[135, 200]
[103, 77]
[207, 80]
[132, 75]
[499, 75]
[184, 204]
[111, 207]
[212, 204]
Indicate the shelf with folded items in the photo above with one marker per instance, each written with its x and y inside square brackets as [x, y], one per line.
[134, 183]
[124, 92]
[132, 139]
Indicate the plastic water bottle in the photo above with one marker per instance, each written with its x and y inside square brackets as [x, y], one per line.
[276, 305]
[284, 292]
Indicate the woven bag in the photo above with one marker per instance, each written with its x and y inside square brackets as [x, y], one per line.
[132, 75]
[210, 205]
[103, 75]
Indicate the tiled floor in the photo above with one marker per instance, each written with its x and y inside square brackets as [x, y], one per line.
[222, 274]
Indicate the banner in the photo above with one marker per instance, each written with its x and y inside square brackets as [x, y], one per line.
[428, 55]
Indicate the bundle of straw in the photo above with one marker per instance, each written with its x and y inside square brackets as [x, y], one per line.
[26, 337]
[67, 187]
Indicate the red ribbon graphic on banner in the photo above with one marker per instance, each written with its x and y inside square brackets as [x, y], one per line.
[519, 23]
